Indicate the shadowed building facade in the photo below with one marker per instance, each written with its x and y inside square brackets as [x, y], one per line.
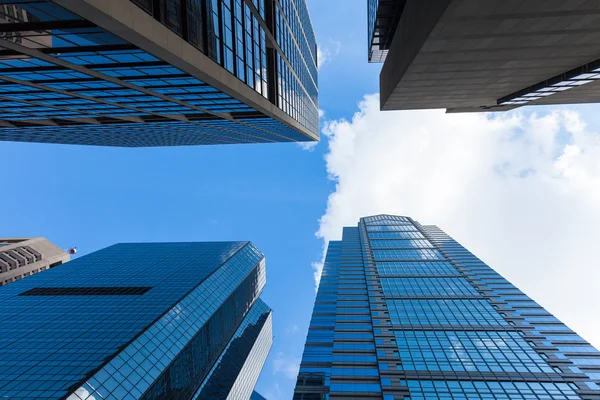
[137, 73]
[139, 321]
[471, 55]
[405, 312]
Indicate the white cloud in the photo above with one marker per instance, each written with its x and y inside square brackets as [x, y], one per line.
[521, 190]
[308, 146]
[292, 329]
[286, 365]
[325, 53]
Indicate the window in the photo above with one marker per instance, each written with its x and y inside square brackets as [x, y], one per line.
[443, 312]
[482, 351]
[421, 390]
[427, 287]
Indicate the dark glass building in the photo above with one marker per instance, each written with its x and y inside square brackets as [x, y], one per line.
[405, 312]
[138, 321]
[473, 55]
[157, 72]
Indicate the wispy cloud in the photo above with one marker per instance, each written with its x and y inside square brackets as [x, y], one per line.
[521, 190]
[286, 365]
[308, 146]
[327, 51]
[292, 329]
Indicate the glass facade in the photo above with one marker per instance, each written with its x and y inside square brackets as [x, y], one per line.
[383, 17]
[66, 79]
[405, 312]
[138, 321]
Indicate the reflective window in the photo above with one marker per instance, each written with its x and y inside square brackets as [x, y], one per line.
[355, 387]
[393, 255]
[396, 235]
[425, 390]
[468, 351]
[400, 244]
[416, 268]
[427, 287]
[444, 312]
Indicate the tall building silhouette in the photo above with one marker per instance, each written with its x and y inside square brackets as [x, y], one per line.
[138, 321]
[137, 73]
[405, 312]
[472, 55]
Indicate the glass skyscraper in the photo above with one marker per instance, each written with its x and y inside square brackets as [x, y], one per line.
[137, 73]
[405, 312]
[138, 321]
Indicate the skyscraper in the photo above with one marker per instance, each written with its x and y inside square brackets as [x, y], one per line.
[138, 321]
[137, 73]
[405, 312]
[22, 257]
[471, 55]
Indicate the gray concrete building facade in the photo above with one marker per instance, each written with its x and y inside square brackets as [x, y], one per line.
[470, 55]
[22, 257]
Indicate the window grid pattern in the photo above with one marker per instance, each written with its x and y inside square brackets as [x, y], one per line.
[400, 244]
[237, 41]
[444, 312]
[427, 287]
[147, 92]
[340, 344]
[191, 364]
[236, 371]
[396, 235]
[249, 374]
[77, 334]
[387, 220]
[425, 268]
[392, 228]
[468, 351]
[422, 254]
[430, 317]
[548, 331]
[160, 344]
[298, 97]
[480, 390]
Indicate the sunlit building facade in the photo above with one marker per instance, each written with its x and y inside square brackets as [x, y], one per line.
[138, 73]
[138, 321]
[405, 312]
[23, 257]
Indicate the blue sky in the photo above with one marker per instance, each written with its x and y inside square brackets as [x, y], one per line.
[273, 194]
[535, 227]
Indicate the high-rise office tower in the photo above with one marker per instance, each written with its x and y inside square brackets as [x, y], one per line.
[137, 73]
[405, 312]
[22, 257]
[472, 55]
[138, 321]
